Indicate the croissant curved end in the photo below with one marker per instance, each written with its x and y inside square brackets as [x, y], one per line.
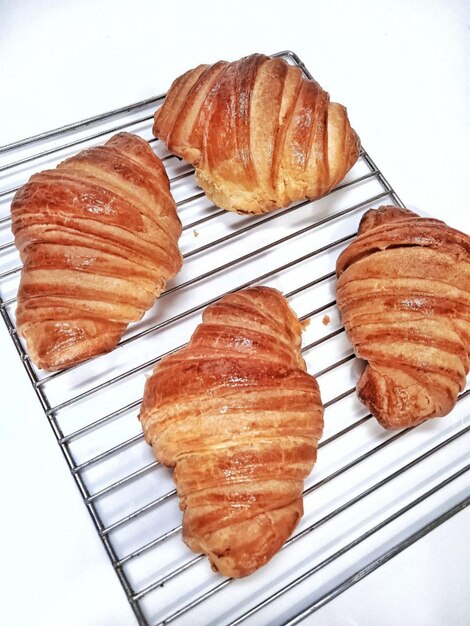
[394, 405]
[231, 555]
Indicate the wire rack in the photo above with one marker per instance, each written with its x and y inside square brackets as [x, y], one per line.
[371, 494]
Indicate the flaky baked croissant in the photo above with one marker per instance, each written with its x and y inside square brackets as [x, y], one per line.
[98, 237]
[404, 294]
[238, 417]
[259, 133]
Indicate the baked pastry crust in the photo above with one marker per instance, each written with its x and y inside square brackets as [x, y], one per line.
[98, 237]
[238, 417]
[404, 293]
[259, 133]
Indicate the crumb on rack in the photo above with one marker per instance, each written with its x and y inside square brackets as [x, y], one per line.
[304, 324]
[195, 233]
[326, 320]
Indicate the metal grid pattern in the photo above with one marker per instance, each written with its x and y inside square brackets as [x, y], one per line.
[371, 494]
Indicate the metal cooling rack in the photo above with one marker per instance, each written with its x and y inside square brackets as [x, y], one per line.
[371, 494]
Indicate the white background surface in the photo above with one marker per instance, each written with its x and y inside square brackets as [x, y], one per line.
[401, 68]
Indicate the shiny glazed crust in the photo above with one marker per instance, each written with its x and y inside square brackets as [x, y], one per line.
[404, 293]
[98, 237]
[238, 417]
[259, 133]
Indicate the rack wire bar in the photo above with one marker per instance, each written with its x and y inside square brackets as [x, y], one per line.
[79, 125]
[98, 119]
[71, 463]
[371, 566]
[211, 273]
[92, 407]
[351, 580]
[177, 529]
[172, 492]
[386, 556]
[246, 229]
[73, 144]
[325, 519]
[181, 316]
[323, 443]
[13, 190]
[136, 438]
[374, 172]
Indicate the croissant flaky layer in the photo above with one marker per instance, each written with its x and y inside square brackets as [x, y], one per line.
[404, 294]
[98, 237]
[259, 133]
[238, 417]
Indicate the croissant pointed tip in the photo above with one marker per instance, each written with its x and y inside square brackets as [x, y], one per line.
[54, 345]
[241, 549]
[386, 214]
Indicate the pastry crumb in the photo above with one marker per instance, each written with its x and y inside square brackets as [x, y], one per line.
[326, 320]
[195, 233]
[304, 324]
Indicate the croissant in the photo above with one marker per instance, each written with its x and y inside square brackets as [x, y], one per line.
[98, 237]
[259, 133]
[404, 295]
[238, 417]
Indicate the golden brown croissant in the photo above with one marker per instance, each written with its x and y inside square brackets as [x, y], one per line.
[404, 294]
[239, 418]
[98, 237]
[260, 134]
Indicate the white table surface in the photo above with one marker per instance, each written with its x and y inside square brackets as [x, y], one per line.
[402, 69]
